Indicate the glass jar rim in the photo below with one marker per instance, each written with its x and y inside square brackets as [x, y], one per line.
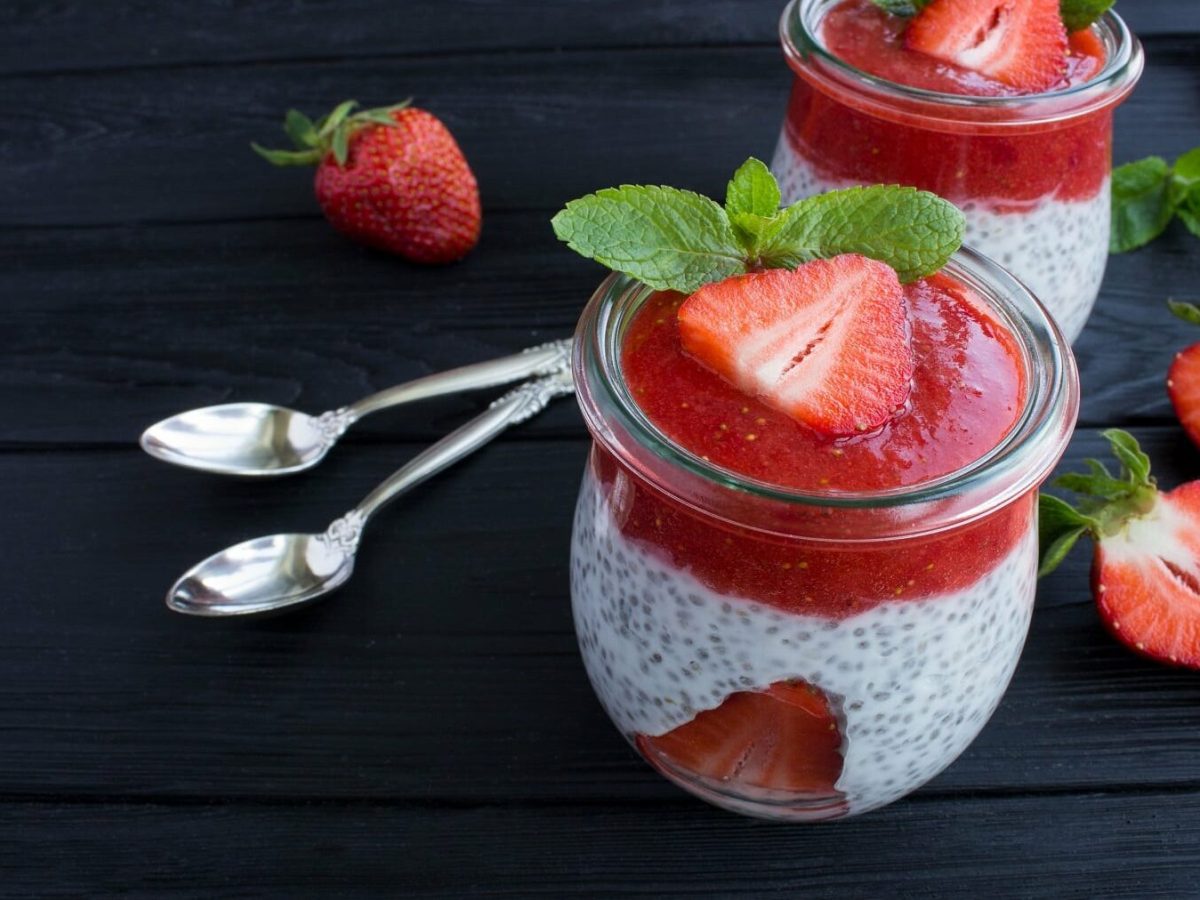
[1123, 66]
[1016, 465]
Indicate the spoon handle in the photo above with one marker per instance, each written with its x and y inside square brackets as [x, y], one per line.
[544, 359]
[516, 406]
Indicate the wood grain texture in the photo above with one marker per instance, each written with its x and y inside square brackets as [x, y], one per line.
[106, 330]
[173, 146]
[430, 731]
[447, 670]
[1115, 846]
[146, 34]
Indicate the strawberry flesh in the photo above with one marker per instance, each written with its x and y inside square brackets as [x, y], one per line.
[1146, 579]
[784, 738]
[1183, 387]
[826, 343]
[1021, 43]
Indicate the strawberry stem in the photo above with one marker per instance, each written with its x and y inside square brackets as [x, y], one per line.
[1109, 502]
[314, 141]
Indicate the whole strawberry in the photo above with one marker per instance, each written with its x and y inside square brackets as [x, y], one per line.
[392, 178]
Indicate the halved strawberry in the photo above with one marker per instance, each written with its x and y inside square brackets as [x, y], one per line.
[1146, 579]
[1183, 387]
[1183, 378]
[1021, 43]
[1146, 565]
[784, 738]
[826, 343]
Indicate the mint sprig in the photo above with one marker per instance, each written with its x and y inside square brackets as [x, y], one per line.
[672, 239]
[1079, 14]
[1076, 14]
[1148, 194]
[1108, 501]
[903, 8]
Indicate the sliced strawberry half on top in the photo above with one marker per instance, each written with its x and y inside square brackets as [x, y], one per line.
[784, 738]
[1021, 43]
[826, 343]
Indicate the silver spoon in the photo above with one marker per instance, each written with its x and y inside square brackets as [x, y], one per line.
[263, 439]
[274, 573]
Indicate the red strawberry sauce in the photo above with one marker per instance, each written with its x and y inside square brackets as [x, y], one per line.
[968, 390]
[830, 128]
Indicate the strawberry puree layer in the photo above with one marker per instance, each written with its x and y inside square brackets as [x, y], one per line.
[826, 126]
[910, 682]
[967, 389]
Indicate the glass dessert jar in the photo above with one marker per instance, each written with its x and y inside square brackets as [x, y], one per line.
[806, 655]
[1032, 172]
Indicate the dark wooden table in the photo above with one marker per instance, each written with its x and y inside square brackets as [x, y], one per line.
[430, 732]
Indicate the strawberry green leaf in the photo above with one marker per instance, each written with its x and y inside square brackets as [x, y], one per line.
[1060, 525]
[331, 123]
[1125, 447]
[1107, 504]
[1189, 312]
[914, 232]
[341, 143]
[903, 8]
[1141, 203]
[300, 129]
[753, 190]
[1079, 14]
[1093, 485]
[378, 116]
[288, 157]
[667, 238]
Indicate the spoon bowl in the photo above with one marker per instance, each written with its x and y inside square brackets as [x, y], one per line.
[263, 575]
[283, 571]
[240, 439]
[261, 439]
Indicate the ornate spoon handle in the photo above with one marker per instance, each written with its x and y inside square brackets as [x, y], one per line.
[518, 405]
[544, 359]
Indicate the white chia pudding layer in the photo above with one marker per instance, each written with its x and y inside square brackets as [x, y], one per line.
[1059, 248]
[912, 683]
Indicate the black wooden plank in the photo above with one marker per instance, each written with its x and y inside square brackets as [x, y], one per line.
[447, 670]
[77, 35]
[539, 128]
[106, 330]
[1139, 845]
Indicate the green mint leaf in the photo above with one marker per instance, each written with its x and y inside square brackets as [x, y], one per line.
[913, 231]
[1125, 447]
[1188, 208]
[1079, 14]
[748, 228]
[903, 8]
[1189, 312]
[753, 190]
[1060, 525]
[665, 237]
[1141, 203]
